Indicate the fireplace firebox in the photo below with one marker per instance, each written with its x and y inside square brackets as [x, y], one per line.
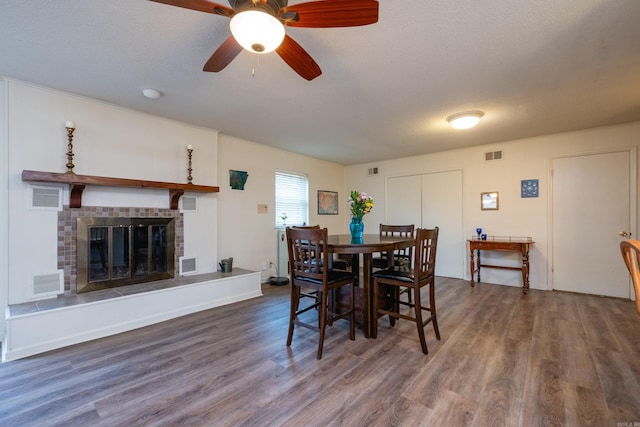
[118, 251]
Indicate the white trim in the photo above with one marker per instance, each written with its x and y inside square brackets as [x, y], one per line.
[34, 333]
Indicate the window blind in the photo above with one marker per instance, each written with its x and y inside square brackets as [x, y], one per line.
[292, 198]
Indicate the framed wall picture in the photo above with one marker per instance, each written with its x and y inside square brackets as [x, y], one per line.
[529, 188]
[489, 201]
[327, 202]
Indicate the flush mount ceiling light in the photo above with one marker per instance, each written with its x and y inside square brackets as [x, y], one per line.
[257, 31]
[465, 120]
[151, 93]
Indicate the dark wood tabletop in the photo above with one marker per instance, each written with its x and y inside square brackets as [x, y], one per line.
[371, 243]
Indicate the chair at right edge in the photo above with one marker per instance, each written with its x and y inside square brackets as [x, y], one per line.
[631, 254]
[420, 275]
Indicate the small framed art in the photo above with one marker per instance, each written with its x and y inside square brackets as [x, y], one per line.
[327, 202]
[529, 188]
[489, 201]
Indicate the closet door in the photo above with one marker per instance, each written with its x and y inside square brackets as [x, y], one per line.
[404, 200]
[442, 207]
[431, 200]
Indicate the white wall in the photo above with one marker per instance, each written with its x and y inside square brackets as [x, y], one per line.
[4, 201]
[109, 141]
[243, 233]
[523, 159]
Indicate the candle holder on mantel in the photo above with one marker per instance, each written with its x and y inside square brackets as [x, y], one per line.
[71, 127]
[190, 151]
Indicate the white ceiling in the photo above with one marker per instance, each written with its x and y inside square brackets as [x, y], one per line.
[534, 67]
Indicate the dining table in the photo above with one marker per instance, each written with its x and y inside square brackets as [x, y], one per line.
[367, 246]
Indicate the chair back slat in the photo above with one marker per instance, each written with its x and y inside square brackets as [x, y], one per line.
[631, 255]
[307, 251]
[425, 251]
[387, 230]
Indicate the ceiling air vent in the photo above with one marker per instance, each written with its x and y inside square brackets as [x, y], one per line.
[373, 171]
[493, 155]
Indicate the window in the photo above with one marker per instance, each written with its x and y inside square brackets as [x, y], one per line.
[292, 198]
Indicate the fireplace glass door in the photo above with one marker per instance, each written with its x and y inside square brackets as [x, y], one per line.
[121, 251]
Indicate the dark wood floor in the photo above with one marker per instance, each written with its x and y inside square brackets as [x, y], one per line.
[546, 358]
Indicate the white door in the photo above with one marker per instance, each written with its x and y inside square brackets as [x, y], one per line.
[591, 207]
[404, 205]
[442, 207]
[429, 200]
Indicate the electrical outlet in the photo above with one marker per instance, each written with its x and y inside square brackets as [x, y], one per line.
[265, 265]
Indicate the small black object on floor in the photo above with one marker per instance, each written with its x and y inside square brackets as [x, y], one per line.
[278, 281]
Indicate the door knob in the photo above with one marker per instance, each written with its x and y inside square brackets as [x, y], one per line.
[624, 233]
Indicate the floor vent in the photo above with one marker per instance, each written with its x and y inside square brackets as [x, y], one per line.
[188, 204]
[373, 171]
[493, 155]
[187, 266]
[46, 198]
[48, 284]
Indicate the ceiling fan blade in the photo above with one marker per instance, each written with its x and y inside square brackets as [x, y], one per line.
[334, 13]
[298, 59]
[200, 5]
[223, 55]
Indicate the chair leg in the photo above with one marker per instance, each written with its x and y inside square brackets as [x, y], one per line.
[319, 299]
[323, 322]
[295, 301]
[418, 311]
[376, 295]
[432, 308]
[394, 291]
[352, 318]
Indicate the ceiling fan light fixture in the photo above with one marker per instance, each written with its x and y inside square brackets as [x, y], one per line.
[256, 31]
[465, 120]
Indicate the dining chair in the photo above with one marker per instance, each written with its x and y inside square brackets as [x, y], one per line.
[631, 255]
[415, 278]
[337, 263]
[307, 251]
[400, 256]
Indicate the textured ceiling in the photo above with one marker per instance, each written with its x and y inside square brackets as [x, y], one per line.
[534, 68]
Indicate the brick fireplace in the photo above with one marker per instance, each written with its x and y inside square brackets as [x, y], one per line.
[68, 237]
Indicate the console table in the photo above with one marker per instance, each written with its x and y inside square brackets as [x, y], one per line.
[502, 244]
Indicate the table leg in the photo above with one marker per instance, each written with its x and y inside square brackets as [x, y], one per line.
[525, 270]
[355, 267]
[472, 266]
[479, 265]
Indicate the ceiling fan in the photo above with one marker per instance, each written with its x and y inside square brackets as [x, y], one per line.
[261, 17]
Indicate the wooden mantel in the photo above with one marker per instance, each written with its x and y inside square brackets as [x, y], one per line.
[78, 182]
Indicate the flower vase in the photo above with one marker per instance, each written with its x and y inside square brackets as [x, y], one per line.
[357, 228]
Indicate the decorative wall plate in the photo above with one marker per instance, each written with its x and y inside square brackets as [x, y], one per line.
[529, 188]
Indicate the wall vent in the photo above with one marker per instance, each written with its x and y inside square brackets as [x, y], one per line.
[187, 266]
[48, 284]
[493, 155]
[188, 204]
[47, 198]
[373, 171]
